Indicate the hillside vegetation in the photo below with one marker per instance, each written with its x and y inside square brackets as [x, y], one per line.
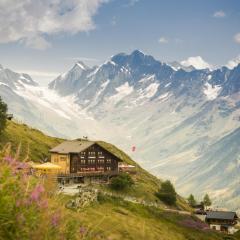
[112, 217]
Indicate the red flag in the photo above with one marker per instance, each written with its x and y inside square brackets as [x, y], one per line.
[133, 148]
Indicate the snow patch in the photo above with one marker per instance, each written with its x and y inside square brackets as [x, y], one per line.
[149, 91]
[146, 79]
[209, 77]
[122, 91]
[81, 66]
[4, 84]
[168, 84]
[211, 92]
[42, 96]
[164, 97]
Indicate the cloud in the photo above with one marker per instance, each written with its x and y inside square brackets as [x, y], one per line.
[163, 40]
[196, 62]
[237, 38]
[37, 42]
[219, 14]
[233, 63]
[30, 21]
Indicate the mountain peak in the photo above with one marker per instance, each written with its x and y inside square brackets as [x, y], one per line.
[81, 65]
[137, 53]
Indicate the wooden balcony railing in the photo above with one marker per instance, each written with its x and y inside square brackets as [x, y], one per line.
[89, 173]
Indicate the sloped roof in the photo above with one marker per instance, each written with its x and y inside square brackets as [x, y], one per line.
[221, 215]
[77, 146]
[74, 146]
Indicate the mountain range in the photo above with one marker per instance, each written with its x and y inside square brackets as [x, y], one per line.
[183, 121]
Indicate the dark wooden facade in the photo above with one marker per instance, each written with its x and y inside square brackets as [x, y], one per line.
[94, 159]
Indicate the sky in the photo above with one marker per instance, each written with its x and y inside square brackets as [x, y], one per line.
[44, 38]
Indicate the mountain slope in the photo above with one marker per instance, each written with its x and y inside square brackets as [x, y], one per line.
[173, 116]
[112, 217]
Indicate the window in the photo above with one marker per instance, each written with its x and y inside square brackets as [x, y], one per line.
[83, 161]
[91, 153]
[101, 161]
[62, 158]
[91, 161]
[108, 168]
[109, 160]
[99, 153]
[83, 153]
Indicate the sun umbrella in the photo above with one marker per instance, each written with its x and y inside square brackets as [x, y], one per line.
[47, 166]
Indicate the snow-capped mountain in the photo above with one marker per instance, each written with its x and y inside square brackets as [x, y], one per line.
[174, 116]
[179, 118]
[44, 109]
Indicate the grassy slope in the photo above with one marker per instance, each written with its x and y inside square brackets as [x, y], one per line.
[39, 144]
[118, 220]
[112, 218]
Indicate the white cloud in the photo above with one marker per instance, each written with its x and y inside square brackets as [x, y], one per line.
[29, 21]
[37, 42]
[196, 62]
[219, 14]
[233, 63]
[237, 38]
[163, 40]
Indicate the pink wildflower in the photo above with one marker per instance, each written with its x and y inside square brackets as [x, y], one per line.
[36, 193]
[55, 219]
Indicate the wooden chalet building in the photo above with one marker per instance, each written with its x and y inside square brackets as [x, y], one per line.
[82, 160]
[222, 221]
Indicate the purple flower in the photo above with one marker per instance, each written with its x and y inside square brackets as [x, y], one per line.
[55, 219]
[82, 230]
[36, 193]
[194, 224]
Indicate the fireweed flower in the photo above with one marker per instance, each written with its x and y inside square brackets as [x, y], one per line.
[82, 230]
[36, 193]
[55, 219]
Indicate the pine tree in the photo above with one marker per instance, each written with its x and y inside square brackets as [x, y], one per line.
[207, 201]
[191, 200]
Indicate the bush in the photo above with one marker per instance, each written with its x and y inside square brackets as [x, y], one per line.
[167, 193]
[3, 115]
[121, 182]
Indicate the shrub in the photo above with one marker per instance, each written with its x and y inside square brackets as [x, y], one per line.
[3, 115]
[167, 193]
[121, 182]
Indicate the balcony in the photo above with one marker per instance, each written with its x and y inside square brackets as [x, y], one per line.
[87, 173]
